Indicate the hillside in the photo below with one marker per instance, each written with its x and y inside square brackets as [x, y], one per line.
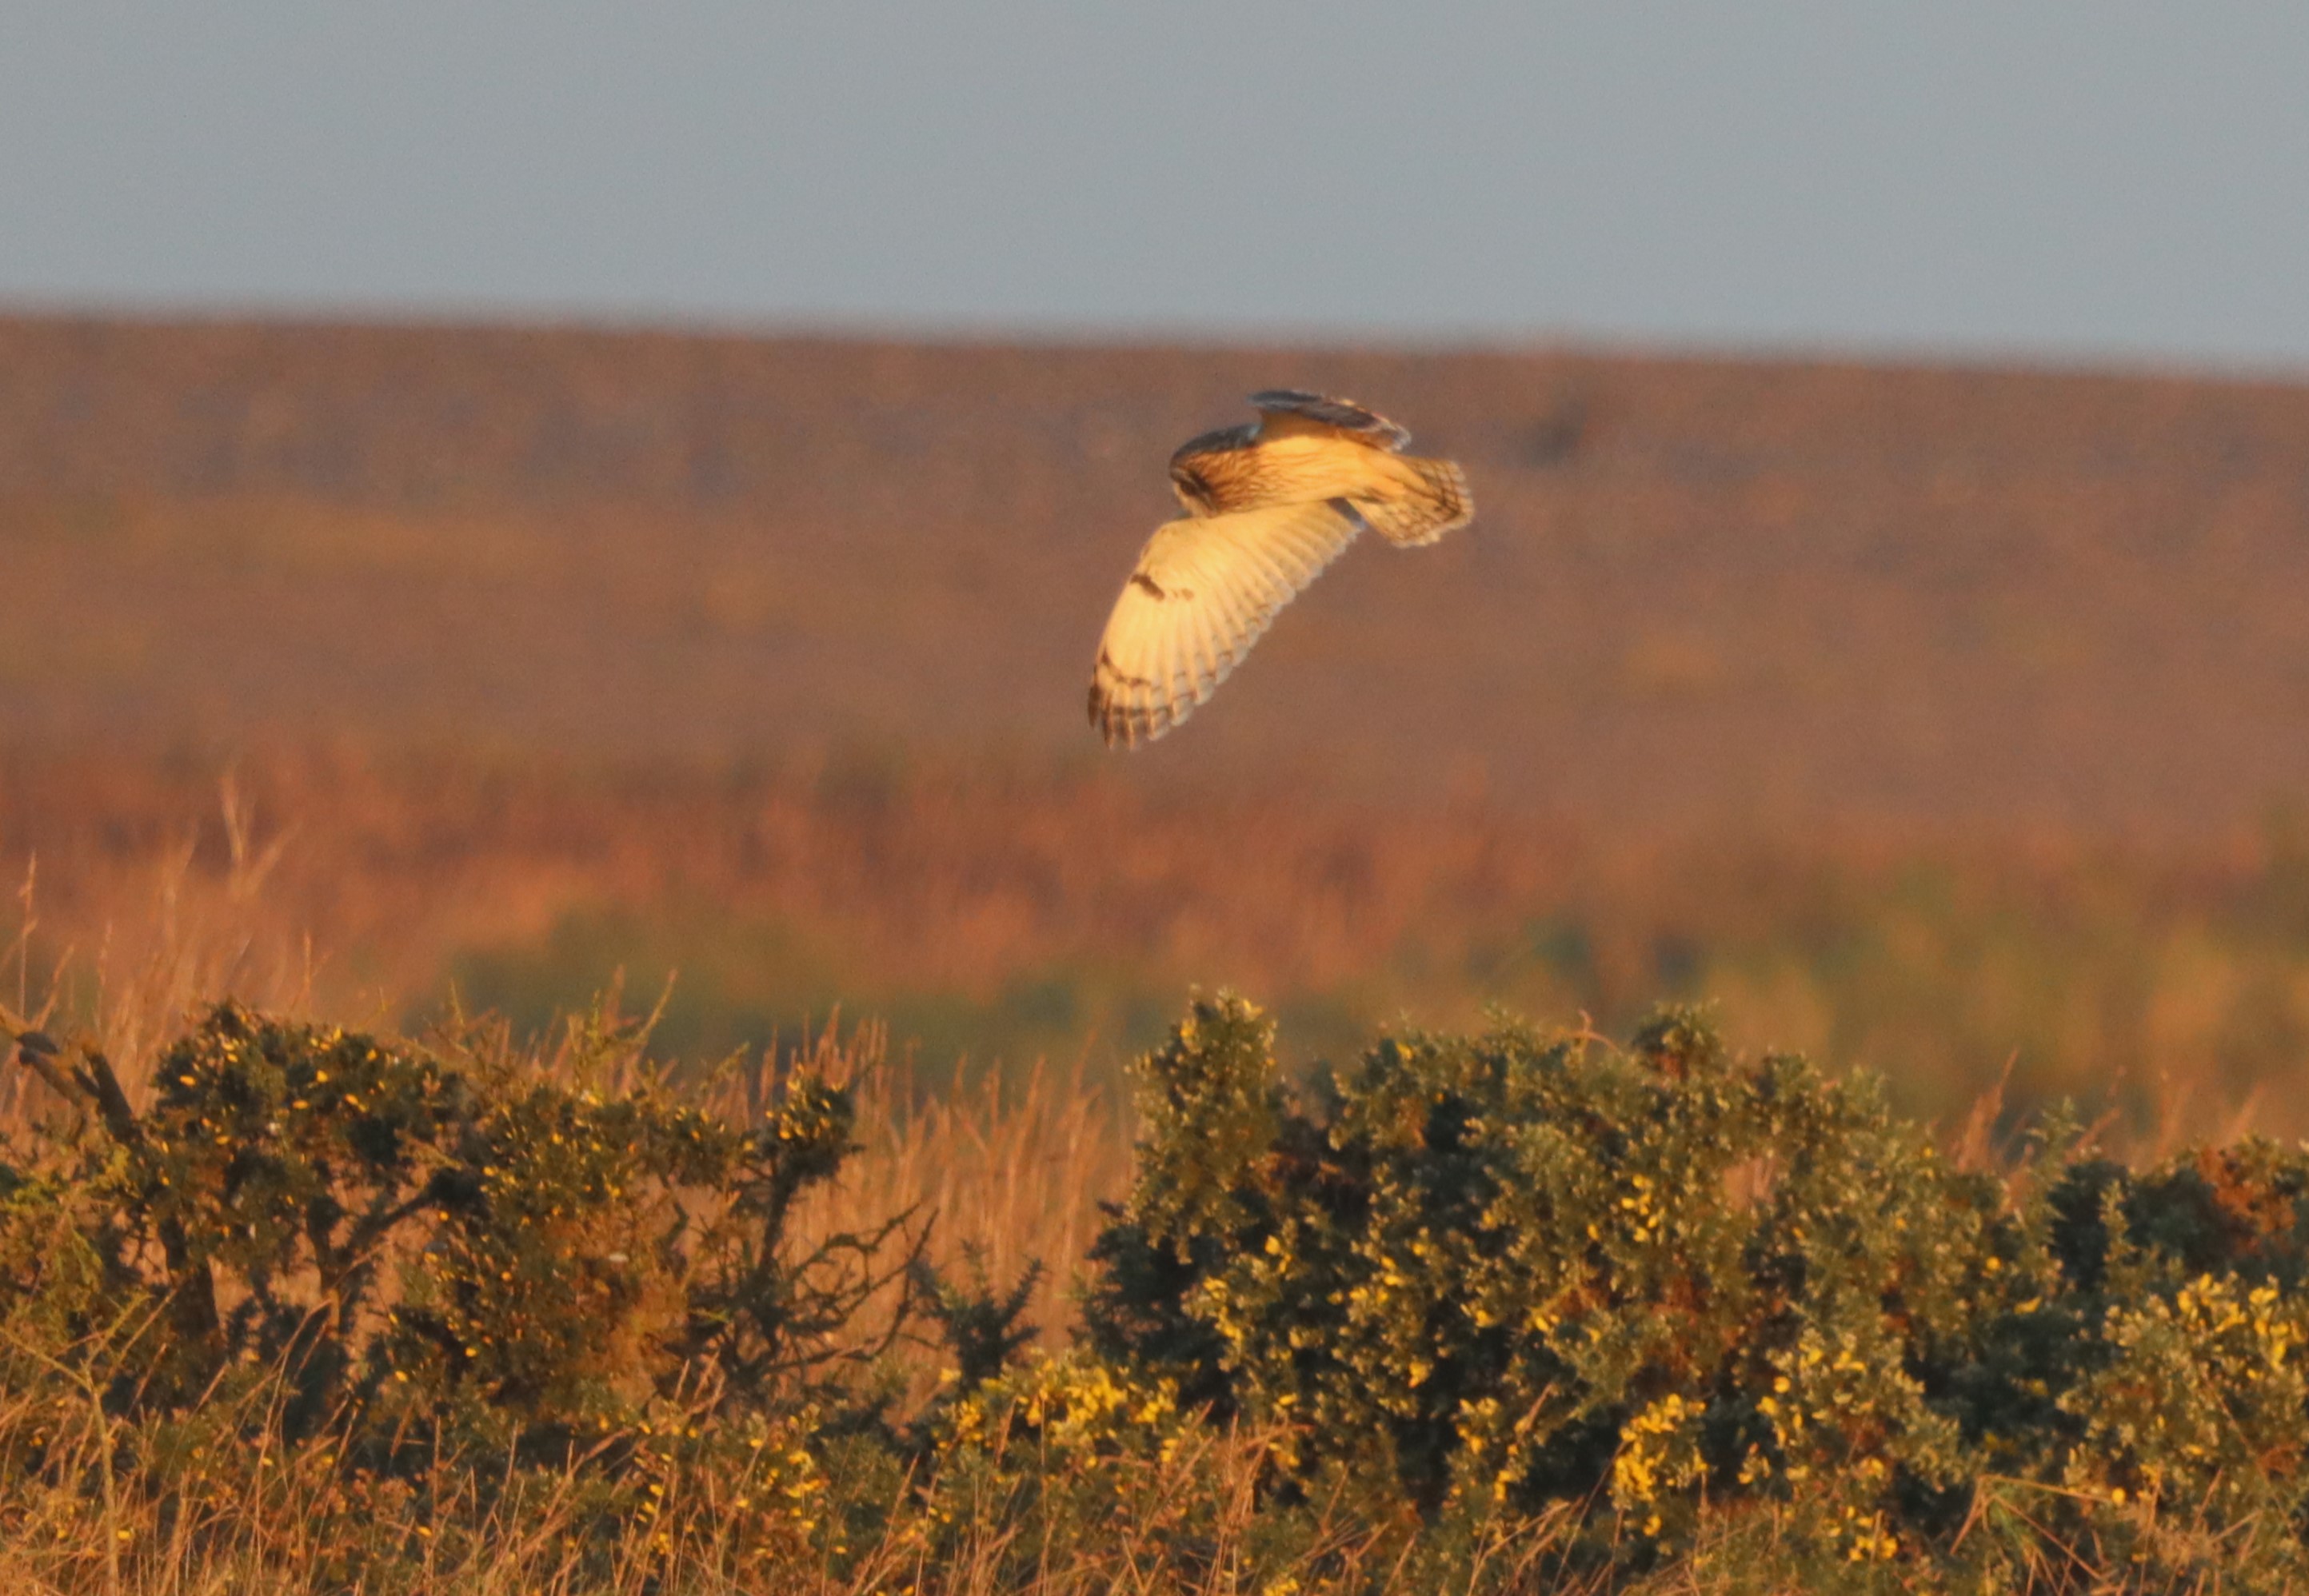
[1699, 592]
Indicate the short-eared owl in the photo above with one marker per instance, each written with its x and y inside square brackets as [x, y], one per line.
[1269, 504]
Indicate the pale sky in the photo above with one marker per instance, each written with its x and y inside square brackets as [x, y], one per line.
[2048, 179]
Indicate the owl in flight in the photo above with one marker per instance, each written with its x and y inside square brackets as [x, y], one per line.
[1268, 504]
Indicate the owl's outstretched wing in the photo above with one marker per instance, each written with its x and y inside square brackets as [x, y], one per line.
[1205, 589]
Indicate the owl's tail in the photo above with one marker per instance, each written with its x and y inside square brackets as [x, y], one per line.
[1428, 498]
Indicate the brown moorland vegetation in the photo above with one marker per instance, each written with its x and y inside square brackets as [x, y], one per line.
[1698, 590]
[992, 921]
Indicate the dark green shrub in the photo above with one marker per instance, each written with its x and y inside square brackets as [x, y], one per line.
[1687, 1291]
[401, 1253]
[1477, 1312]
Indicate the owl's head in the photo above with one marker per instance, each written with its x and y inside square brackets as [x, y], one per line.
[1194, 490]
[1192, 465]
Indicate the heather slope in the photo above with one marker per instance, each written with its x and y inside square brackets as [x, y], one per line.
[1698, 591]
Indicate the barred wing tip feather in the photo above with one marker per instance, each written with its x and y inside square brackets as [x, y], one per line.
[1206, 589]
[1430, 498]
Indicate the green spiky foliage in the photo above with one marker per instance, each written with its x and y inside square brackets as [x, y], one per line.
[1677, 1291]
[396, 1254]
[1512, 1310]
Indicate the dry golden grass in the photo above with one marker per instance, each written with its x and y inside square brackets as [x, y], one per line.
[271, 1529]
[1007, 1168]
[1013, 914]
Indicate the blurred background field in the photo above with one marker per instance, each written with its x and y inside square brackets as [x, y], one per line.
[1941, 720]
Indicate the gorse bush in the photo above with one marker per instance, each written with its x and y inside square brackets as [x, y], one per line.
[558, 1254]
[395, 1255]
[1485, 1312]
[1687, 1293]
